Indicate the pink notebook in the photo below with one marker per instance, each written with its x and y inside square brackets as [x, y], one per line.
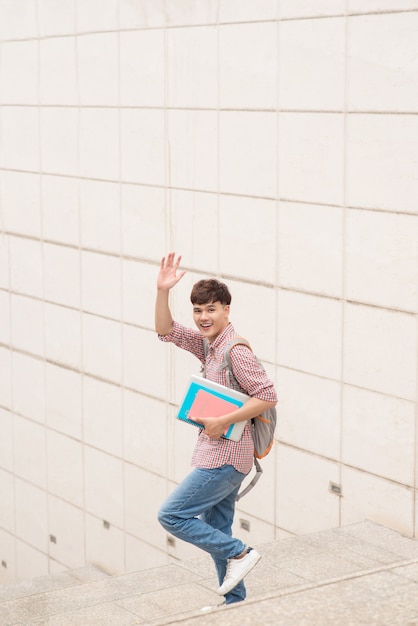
[208, 405]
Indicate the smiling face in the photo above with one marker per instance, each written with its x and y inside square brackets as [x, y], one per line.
[211, 319]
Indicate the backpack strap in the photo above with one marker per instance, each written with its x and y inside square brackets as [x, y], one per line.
[226, 361]
[205, 354]
[227, 365]
[235, 341]
[258, 472]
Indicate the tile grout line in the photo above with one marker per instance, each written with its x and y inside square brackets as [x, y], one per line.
[86, 33]
[127, 107]
[45, 488]
[121, 386]
[80, 256]
[343, 278]
[278, 256]
[290, 289]
[198, 191]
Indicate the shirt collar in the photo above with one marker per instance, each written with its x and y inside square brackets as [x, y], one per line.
[220, 339]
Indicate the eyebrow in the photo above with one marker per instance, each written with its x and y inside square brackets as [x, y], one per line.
[201, 306]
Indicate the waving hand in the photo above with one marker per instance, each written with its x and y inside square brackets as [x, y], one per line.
[168, 276]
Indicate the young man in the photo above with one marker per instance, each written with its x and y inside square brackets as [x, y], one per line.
[201, 509]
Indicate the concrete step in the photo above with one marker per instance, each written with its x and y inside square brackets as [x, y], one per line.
[359, 574]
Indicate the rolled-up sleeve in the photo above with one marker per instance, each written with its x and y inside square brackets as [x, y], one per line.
[250, 375]
[185, 338]
[174, 336]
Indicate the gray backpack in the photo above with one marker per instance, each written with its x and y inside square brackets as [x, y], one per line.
[262, 426]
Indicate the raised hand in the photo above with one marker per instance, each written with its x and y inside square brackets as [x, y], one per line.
[168, 276]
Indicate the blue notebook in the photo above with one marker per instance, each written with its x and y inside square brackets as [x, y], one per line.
[204, 398]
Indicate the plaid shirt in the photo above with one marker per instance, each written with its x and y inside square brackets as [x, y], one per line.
[253, 380]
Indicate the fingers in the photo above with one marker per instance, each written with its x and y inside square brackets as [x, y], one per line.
[168, 262]
[169, 271]
[182, 273]
[212, 429]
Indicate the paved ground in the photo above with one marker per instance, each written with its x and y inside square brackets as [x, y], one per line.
[362, 574]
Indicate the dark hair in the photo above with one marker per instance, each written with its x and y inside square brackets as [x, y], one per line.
[210, 290]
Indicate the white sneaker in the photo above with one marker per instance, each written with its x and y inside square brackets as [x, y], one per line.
[212, 607]
[236, 569]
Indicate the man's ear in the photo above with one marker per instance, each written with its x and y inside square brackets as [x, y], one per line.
[227, 309]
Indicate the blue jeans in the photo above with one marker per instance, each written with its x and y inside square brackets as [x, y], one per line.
[201, 511]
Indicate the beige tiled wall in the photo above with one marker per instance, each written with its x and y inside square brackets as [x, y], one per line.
[273, 144]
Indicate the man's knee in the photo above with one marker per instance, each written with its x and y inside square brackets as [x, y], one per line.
[165, 519]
